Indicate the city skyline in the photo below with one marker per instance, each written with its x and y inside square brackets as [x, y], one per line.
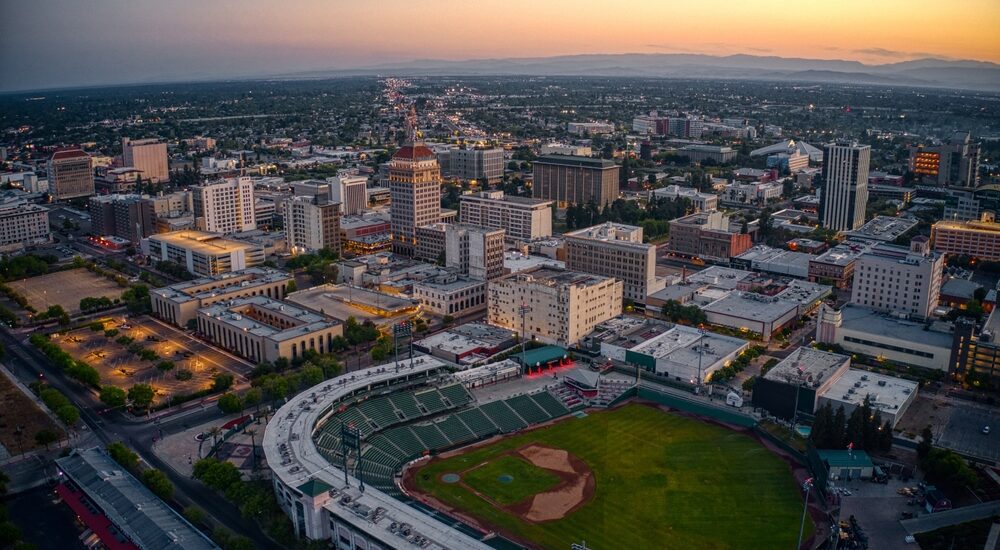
[114, 43]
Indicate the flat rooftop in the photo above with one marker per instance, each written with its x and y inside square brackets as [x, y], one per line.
[844, 253]
[344, 301]
[807, 364]
[721, 277]
[864, 320]
[568, 160]
[884, 228]
[611, 232]
[888, 393]
[778, 260]
[552, 277]
[142, 516]
[221, 284]
[750, 306]
[238, 314]
[466, 338]
[681, 349]
[516, 261]
[804, 292]
[201, 242]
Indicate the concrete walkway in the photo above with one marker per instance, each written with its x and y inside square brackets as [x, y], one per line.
[930, 522]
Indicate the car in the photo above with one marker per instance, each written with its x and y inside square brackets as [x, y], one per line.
[909, 539]
[986, 430]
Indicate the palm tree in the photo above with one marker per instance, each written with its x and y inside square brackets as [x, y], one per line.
[253, 448]
[215, 431]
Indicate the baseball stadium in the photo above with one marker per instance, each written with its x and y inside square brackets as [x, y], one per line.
[557, 456]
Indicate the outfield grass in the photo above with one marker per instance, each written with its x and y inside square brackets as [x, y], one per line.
[663, 481]
[528, 479]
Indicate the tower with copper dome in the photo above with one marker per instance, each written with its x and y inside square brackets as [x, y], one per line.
[415, 188]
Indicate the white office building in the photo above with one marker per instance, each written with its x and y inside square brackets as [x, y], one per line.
[225, 206]
[523, 219]
[900, 280]
[351, 192]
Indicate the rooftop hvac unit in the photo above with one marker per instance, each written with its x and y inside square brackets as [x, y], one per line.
[881, 382]
[864, 377]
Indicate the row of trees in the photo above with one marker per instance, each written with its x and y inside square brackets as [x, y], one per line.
[943, 466]
[864, 428]
[78, 370]
[656, 209]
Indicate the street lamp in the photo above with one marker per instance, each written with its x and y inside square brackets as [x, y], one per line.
[524, 309]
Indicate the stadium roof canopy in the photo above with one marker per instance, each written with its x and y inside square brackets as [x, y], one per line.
[540, 356]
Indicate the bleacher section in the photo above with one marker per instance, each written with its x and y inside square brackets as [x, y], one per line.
[400, 427]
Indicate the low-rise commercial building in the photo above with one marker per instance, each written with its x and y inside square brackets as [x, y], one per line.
[719, 154]
[751, 312]
[888, 395]
[553, 305]
[793, 386]
[699, 201]
[868, 332]
[883, 228]
[707, 235]
[179, 303]
[775, 260]
[469, 343]
[365, 234]
[451, 294]
[203, 253]
[263, 329]
[976, 239]
[836, 265]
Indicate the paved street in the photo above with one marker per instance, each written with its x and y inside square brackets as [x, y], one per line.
[964, 431]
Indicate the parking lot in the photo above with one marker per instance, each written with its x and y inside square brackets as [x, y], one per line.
[964, 431]
[65, 288]
[878, 509]
[123, 368]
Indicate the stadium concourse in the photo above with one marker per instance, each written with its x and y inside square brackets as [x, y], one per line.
[379, 419]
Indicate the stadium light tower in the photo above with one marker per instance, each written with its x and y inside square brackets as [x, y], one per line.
[806, 487]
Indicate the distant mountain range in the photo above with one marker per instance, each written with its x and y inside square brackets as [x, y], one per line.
[938, 73]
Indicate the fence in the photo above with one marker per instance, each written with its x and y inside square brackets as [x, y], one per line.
[240, 423]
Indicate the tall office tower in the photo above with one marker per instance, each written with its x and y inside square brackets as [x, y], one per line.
[71, 174]
[954, 163]
[575, 180]
[897, 279]
[415, 189]
[351, 192]
[478, 163]
[148, 155]
[225, 206]
[524, 219]
[845, 186]
[476, 251]
[615, 250]
[312, 222]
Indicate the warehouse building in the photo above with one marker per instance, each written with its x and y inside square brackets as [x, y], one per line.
[888, 395]
[793, 386]
[751, 312]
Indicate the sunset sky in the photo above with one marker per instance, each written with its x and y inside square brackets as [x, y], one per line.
[46, 43]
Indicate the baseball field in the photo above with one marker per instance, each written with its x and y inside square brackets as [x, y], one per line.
[632, 477]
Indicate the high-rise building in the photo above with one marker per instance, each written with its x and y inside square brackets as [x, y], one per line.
[898, 279]
[22, 224]
[351, 192]
[148, 155]
[202, 253]
[225, 206]
[415, 188]
[955, 163]
[130, 217]
[685, 127]
[478, 163]
[312, 223]
[575, 180]
[524, 219]
[475, 251]
[615, 250]
[71, 174]
[845, 186]
[553, 305]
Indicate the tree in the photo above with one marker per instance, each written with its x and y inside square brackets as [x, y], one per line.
[194, 514]
[159, 483]
[787, 189]
[141, 396]
[215, 473]
[192, 324]
[945, 467]
[222, 381]
[926, 442]
[253, 397]
[838, 439]
[123, 455]
[822, 427]
[68, 415]
[230, 403]
[46, 437]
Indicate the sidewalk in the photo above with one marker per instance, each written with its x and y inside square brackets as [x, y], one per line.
[181, 450]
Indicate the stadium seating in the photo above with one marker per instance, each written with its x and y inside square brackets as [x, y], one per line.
[478, 422]
[430, 400]
[528, 409]
[455, 430]
[403, 438]
[456, 394]
[405, 403]
[380, 411]
[550, 404]
[503, 416]
[431, 436]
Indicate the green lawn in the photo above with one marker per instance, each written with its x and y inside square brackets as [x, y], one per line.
[528, 479]
[663, 481]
